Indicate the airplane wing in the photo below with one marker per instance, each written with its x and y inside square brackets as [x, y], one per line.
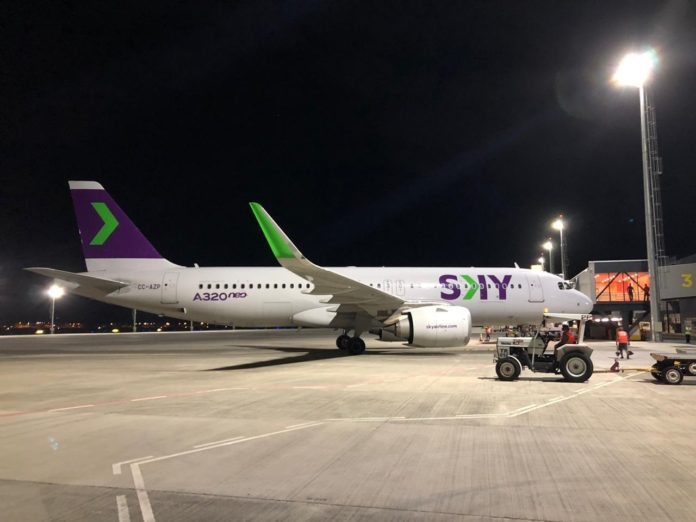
[104, 285]
[349, 294]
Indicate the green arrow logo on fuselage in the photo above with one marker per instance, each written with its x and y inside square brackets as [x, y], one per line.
[110, 224]
[473, 287]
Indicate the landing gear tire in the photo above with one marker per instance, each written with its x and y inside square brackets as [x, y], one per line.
[356, 345]
[576, 367]
[342, 342]
[691, 368]
[508, 369]
[672, 375]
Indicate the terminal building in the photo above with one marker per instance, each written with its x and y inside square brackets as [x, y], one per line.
[620, 291]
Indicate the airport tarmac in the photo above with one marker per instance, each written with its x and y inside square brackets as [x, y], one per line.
[279, 425]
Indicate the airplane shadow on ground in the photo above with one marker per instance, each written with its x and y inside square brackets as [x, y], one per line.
[313, 354]
[530, 379]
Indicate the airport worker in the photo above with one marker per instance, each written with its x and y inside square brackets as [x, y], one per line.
[687, 333]
[622, 342]
[630, 292]
[567, 337]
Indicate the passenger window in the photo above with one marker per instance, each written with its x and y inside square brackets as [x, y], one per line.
[217, 286]
[258, 285]
[519, 285]
[234, 286]
[226, 286]
[283, 285]
[292, 285]
[268, 286]
[209, 286]
[275, 285]
[242, 286]
[200, 286]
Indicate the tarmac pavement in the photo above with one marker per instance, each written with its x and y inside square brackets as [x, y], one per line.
[279, 425]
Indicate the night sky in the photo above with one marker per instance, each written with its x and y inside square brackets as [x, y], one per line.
[376, 133]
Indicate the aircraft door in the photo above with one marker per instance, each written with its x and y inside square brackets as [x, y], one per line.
[536, 292]
[400, 288]
[388, 286]
[169, 282]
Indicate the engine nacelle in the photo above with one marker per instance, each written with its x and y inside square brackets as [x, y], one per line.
[434, 326]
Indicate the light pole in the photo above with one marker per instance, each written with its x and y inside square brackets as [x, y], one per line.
[634, 71]
[55, 292]
[558, 225]
[549, 246]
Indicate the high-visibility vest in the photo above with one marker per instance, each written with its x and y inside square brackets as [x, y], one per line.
[622, 337]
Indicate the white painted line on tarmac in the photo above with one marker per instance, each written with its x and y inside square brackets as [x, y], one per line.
[116, 467]
[309, 387]
[218, 442]
[356, 385]
[122, 506]
[300, 425]
[143, 497]
[555, 398]
[139, 482]
[72, 407]
[149, 398]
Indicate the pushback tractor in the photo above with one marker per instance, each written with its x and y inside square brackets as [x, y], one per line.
[513, 354]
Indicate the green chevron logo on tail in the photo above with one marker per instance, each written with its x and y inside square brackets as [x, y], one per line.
[110, 224]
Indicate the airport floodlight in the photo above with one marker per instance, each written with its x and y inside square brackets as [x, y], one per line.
[549, 246]
[635, 69]
[54, 292]
[559, 225]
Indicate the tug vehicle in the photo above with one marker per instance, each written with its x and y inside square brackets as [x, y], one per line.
[513, 354]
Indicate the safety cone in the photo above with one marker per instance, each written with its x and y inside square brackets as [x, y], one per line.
[616, 367]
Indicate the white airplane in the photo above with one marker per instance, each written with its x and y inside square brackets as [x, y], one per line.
[426, 307]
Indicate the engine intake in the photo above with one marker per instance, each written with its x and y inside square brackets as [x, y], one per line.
[434, 326]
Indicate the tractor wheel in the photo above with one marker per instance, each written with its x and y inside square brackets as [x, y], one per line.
[508, 369]
[576, 367]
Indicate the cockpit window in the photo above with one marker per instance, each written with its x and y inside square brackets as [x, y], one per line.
[566, 285]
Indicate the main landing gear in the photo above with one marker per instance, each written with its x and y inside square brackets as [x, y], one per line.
[352, 345]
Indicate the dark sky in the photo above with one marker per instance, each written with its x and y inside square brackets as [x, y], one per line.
[376, 133]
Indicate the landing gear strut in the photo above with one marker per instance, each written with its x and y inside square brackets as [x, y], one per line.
[352, 345]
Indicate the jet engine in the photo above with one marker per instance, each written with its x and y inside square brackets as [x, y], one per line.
[432, 326]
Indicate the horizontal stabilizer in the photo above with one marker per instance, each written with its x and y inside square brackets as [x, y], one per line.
[98, 283]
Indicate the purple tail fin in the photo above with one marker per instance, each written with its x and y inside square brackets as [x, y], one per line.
[106, 232]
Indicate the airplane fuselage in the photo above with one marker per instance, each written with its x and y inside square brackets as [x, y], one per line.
[274, 296]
